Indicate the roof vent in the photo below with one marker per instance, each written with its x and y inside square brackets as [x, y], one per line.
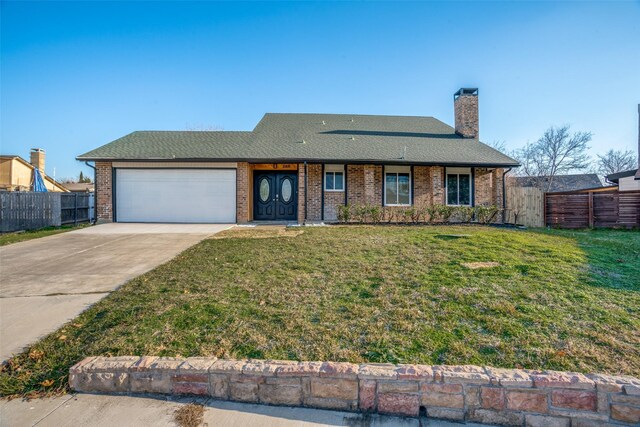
[302, 142]
[324, 123]
[353, 138]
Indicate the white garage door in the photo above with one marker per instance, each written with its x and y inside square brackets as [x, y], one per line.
[176, 195]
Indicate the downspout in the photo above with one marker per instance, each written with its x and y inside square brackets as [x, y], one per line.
[95, 192]
[504, 193]
[305, 191]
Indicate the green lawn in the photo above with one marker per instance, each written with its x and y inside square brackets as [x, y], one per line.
[557, 300]
[9, 238]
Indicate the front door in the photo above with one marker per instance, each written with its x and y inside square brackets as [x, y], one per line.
[275, 196]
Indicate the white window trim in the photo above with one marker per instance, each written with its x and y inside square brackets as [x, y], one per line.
[332, 190]
[395, 170]
[458, 172]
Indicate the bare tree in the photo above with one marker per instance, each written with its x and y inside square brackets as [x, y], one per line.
[498, 145]
[614, 161]
[557, 152]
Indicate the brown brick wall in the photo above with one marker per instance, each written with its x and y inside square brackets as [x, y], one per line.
[483, 181]
[332, 199]
[104, 188]
[466, 116]
[422, 194]
[488, 186]
[301, 193]
[437, 185]
[355, 184]
[364, 184]
[314, 187]
[243, 202]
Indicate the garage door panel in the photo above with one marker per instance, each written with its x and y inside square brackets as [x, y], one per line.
[176, 195]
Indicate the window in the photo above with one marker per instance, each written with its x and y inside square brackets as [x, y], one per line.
[459, 186]
[334, 181]
[397, 188]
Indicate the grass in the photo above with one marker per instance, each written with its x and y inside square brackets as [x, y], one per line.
[566, 300]
[9, 238]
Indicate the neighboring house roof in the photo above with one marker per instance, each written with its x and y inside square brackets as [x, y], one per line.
[79, 187]
[313, 137]
[614, 177]
[30, 166]
[560, 182]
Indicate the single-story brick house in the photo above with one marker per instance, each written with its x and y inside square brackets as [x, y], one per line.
[299, 167]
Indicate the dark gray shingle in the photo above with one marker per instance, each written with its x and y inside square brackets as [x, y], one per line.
[313, 137]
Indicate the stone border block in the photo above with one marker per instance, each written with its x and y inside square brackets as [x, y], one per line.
[377, 371]
[554, 379]
[338, 370]
[460, 393]
[463, 374]
[415, 372]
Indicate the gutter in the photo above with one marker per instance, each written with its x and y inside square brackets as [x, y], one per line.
[504, 192]
[299, 160]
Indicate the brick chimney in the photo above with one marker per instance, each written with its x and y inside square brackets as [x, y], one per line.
[37, 158]
[465, 105]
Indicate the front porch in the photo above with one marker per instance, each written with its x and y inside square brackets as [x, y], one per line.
[314, 192]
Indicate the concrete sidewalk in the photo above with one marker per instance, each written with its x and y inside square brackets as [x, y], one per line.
[48, 281]
[122, 411]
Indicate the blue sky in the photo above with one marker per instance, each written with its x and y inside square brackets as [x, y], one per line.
[76, 75]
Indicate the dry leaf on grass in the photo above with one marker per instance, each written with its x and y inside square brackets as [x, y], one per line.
[36, 354]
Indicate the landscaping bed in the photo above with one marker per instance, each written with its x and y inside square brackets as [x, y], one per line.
[564, 300]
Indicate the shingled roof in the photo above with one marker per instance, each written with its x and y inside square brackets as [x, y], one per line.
[313, 137]
[573, 182]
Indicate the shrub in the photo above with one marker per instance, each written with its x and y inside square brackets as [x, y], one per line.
[445, 212]
[360, 213]
[486, 214]
[464, 213]
[344, 213]
[432, 214]
[375, 213]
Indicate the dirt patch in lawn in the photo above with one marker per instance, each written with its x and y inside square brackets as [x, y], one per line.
[476, 265]
[190, 415]
[259, 232]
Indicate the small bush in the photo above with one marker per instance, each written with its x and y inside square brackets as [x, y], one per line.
[486, 214]
[376, 214]
[344, 213]
[465, 213]
[445, 212]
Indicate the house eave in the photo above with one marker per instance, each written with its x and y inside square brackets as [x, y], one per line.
[308, 160]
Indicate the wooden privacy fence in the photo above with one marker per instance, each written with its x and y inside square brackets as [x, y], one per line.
[582, 209]
[525, 206]
[30, 211]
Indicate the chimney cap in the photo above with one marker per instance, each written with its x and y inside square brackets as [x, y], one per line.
[472, 91]
[37, 150]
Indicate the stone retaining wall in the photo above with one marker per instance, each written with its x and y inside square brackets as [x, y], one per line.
[461, 393]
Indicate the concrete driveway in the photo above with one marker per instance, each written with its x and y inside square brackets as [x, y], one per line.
[46, 282]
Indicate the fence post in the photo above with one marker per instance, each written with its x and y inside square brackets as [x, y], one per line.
[75, 210]
[590, 209]
[544, 209]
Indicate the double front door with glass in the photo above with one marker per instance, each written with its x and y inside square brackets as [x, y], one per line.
[275, 196]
